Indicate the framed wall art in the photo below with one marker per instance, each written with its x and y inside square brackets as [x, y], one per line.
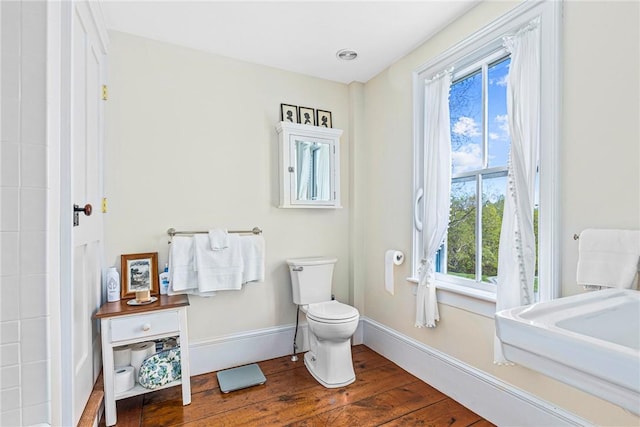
[139, 273]
[288, 113]
[307, 116]
[324, 119]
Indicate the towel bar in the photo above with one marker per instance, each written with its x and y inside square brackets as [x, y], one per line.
[172, 232]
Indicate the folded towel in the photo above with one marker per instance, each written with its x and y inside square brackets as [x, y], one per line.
[218, 270]
[252, 248]
[182, 275]
[608, 258]
[219, 239]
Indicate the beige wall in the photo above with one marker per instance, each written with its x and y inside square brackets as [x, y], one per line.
[601, 138]
[191, 142]
[600, 186]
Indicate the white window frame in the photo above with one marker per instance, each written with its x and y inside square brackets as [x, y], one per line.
[466, 53]
[477, 174]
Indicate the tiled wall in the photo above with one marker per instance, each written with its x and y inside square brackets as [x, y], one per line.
[24, 359]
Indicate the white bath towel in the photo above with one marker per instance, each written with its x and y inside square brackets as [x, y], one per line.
[253, 253]
[219, 239]
[218, 270]
[182, 275]
[608, 258]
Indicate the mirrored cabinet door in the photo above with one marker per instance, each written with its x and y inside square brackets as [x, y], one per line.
[313, 169]
[309, 166]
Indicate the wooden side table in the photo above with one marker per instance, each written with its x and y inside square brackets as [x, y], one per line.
[123, 324]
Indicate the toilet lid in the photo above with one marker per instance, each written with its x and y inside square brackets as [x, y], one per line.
[331, 310]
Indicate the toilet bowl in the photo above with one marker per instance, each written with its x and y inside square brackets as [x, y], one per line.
[331, 326]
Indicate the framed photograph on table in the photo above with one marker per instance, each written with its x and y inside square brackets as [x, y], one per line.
[324, 119]
[307, 116]
[139, 273]
[288, 113]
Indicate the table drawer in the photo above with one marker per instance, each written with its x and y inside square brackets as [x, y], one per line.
[144, 325]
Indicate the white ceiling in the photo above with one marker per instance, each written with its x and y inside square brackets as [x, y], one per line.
[301, 36]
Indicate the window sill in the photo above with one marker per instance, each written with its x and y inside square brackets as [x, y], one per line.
[472, 300]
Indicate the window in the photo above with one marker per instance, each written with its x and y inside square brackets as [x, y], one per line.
[479, 157]
[467, 262]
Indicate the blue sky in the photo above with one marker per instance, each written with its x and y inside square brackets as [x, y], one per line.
[466, 120]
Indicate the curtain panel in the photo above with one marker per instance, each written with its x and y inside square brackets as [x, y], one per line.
[437, 187]
[517, 251]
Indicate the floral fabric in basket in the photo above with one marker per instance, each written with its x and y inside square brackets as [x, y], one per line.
[160, 369]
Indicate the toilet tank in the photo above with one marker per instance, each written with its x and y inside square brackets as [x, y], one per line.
[311, 279]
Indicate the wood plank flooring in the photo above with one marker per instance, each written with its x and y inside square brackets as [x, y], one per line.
[382, 395]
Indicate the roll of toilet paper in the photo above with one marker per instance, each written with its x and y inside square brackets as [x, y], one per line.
[139, 352]
[391, 258]
[122, 356]
[123, 379]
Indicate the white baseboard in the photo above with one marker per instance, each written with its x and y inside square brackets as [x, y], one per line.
[250, 347]
[484, 394]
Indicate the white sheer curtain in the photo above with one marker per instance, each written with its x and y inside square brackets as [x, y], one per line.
[517, 253]
[437, 187]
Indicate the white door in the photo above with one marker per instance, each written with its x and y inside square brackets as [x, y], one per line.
[84, 295]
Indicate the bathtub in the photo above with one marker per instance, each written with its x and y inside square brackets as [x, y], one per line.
[590, 341]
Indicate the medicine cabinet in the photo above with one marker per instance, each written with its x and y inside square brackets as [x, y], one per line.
[309, 166]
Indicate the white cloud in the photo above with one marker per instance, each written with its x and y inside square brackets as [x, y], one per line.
[466, 126]
[503, 122]
[502, 81]
[467, 157]
[501, 127]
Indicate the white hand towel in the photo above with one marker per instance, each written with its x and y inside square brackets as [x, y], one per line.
[219, 239]
[608, 258]
[182, 275]
[218, 270]
[253, 253]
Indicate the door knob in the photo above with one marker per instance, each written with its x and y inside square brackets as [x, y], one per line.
[86, 209]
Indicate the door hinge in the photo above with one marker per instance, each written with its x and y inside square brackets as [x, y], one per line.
[105, 93]
[104, 205]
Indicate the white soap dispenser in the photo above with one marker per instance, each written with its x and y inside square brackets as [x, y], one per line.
[113, 285]
[164, 280]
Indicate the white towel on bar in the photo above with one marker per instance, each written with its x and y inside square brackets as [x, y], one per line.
[182, 274]
[252, 248]
[219, 239]
[218, 270]
[608, 258]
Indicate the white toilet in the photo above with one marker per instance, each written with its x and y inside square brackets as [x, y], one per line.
[331, 323]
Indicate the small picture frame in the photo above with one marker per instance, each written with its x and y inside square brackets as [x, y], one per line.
[288, 113]
[324, 119]
[139, 273]
[307, 116]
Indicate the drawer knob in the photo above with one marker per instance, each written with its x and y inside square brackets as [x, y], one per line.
[146, 326]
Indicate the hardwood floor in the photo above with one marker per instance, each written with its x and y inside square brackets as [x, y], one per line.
[383, 394]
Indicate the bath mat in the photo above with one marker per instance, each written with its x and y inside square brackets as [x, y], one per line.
[241, 377]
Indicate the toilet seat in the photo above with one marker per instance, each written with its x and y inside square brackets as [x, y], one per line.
[331, 312]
